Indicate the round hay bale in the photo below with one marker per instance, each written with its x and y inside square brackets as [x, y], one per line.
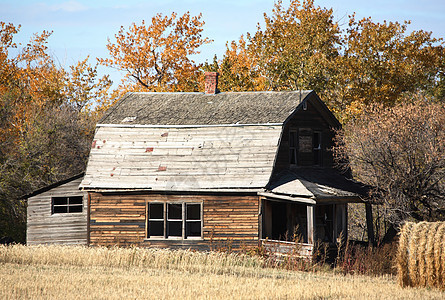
[402, 255]
[419, 257]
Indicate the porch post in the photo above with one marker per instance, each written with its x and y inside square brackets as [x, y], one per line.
[311, 224]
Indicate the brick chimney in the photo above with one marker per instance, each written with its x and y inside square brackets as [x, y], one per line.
[211, 83]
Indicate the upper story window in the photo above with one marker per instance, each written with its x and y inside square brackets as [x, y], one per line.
[174, 220]
[72, 204]
[305, 147]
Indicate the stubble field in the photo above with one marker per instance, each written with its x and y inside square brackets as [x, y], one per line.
[56, 272]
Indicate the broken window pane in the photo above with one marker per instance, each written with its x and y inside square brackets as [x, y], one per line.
[60, 200]
[75, 200]
[60, 209]
[75, 208]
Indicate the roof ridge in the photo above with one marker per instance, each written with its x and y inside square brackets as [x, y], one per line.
[220, 93]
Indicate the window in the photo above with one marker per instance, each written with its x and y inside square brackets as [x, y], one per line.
[174, 220]
[156, 219]
[305, 147]
[73, 204]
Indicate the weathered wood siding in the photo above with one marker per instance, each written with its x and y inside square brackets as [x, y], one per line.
[282, 250]
[229, 221]
[64, 228]
[117, 219]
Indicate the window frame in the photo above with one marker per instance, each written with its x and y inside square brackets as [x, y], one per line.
[184, 221]
[295, 148]
[68, 204]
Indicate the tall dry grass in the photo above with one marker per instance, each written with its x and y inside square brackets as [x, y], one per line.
[420, 257]
[164, 259]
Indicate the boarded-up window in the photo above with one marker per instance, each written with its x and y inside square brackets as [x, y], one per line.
[72, 204]
[316, 141]
[174, 220]
[305, 147]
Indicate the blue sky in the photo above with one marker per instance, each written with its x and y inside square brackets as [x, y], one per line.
[82, 27]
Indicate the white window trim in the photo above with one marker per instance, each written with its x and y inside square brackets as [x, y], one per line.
[67, 205]
[166, 220]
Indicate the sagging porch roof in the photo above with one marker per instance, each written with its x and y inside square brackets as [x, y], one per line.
[314, 185]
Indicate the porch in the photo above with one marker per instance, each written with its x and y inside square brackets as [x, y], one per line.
[292, 227]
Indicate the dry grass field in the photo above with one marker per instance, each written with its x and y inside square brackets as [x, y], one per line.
[56, 272]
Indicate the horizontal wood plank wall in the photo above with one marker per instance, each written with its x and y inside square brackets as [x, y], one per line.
[229, 221]
[117, 219]
[65, 228]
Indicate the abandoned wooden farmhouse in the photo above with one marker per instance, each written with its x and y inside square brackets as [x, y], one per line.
[206, 170]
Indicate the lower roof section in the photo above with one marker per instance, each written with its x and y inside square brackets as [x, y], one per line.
[322, 185]
[182, 158]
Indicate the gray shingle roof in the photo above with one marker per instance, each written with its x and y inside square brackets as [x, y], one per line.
[201, 109]
[316, 182]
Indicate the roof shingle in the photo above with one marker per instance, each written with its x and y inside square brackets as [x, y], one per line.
[201, 109]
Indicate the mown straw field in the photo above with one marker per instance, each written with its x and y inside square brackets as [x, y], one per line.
[57, 272]
[421, 255]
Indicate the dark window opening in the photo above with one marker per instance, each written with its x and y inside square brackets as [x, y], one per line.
[174, 220]
[285, 221]
[193, 220]
[156, 219]
[73, 204]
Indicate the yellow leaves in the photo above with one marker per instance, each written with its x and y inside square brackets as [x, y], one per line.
[381, 62]
[294, 48]
[83, 89]
[156, 56]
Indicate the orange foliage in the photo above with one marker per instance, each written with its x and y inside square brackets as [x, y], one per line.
[157, 56]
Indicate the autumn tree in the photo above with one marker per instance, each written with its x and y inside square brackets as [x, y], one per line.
[238, 70]
[85, 92]
[302, 47]
[295, 48]
[293, 51]
[400, 151]
[47, 118]
[381, 63]
[157, 56]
